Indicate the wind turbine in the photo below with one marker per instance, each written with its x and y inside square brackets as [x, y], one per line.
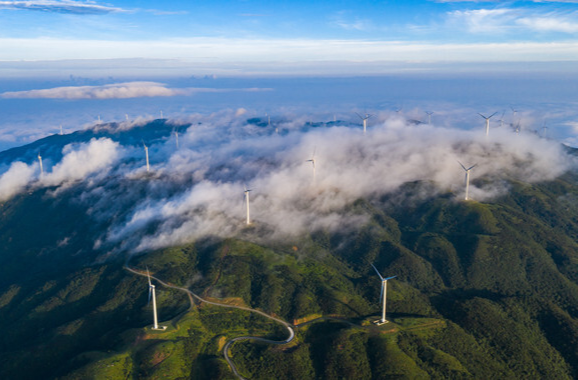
[126, 116]
[146, 148]
[177, 136]
[152, 296]
[312, 160]
[487, 121]
[247, 191]
[382, 296]
[61, 132]
[41, 167]
[99, 122]
[161, 114]
[367, 116]
[467, 178]
[429, 113]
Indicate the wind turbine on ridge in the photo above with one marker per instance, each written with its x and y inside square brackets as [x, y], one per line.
[487, 121]
[146, 148]
[176, 131]
[382, 296]
[40, 161]
[152, 296]
[429, 113]
[467, 178]
[247, 191]
[312, 160]
[367, 116]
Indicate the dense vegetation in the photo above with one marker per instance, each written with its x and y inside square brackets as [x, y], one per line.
[483, 290]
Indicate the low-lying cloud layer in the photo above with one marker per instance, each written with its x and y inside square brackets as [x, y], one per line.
[198, 189]
[114, 91]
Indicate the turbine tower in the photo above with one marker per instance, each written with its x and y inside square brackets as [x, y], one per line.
[429, 113]
[61, 132]
[367, 116]
[154, 298]
[126, 116]
[177, 137]
[467, 178]
[487, 121]
[161, 114]
[312, 160]
[146, 148]
[382, 296]
[247, 191]
[41, 167]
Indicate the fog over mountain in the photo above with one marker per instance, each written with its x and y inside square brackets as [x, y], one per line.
[197, 189]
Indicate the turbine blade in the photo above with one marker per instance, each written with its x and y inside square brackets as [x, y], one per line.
[462, 165]
[379, 274]
[492, 115]
[361, 117]
[381, 293]
[471, 167]
[389, 278]
[482, 115]
[149, 276]
[150, 294]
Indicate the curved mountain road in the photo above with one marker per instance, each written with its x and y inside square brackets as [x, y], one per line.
[192, 295]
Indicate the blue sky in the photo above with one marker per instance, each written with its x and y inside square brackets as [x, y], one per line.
[68, 62]
[290, 31]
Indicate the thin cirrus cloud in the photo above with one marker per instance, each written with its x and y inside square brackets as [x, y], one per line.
[61, 6]
[114, 91]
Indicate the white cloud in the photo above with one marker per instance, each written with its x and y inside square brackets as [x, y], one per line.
[484, 20]
[114, 91]
[239, 54]
[82, 160]
[61, 6]
[15, 179]
[550, 24]
[109, 91]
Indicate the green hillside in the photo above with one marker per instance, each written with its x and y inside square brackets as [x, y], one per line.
[483, 290]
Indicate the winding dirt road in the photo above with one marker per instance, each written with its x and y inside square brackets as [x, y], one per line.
[227, 346]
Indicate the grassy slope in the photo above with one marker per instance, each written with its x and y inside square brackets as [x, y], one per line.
[483, 290]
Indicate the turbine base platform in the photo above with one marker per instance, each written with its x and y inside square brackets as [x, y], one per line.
[160, 328]
[379, 322]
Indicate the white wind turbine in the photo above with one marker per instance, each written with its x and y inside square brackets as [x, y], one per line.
[152, 296]
[467, 178]
[146, 149]
[312, 160]
[429, 113]
[41, 167]
[177, 136]
[487, 121]
[382, 296]
[247, 191]
[364, 118]
[61, 132]
[161, 114]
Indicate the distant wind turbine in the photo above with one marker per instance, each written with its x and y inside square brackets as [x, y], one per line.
[467, 178]
[161, 114]
[367, 116]
[312, 160]
[487, 121]
[126, 116]
[146, 148]
[99, 119]
[382, 296]
[247, 191]
[429, 113]
[177, 137]
[41, 167]
[152, 296]
[61, 132]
